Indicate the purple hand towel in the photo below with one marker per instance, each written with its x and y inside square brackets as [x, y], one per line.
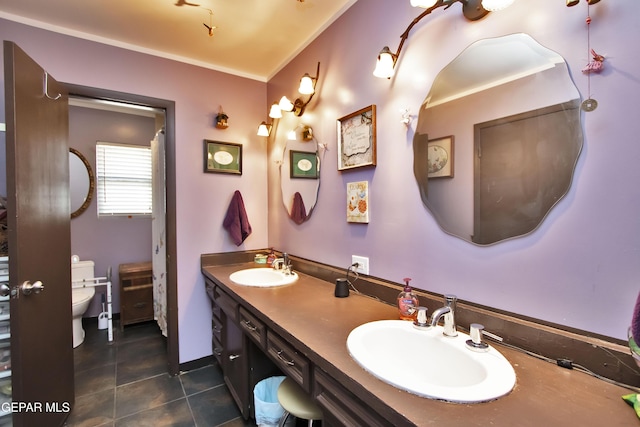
[635, 321]
[236, 221]
[298, 211]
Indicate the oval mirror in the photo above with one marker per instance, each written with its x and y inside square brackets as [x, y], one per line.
[497, 139]
[81, 182]
[300, 174]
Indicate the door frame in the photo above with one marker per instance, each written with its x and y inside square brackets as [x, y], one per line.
[173, 352]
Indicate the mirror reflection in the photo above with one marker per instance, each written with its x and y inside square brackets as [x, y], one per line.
[497, 139]
[81, 182]
[300, 174]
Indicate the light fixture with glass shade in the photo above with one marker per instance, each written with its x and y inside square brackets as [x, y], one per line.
[264, 129]
[471, 9]
[494, 5]
[285, 104]
[275, 112]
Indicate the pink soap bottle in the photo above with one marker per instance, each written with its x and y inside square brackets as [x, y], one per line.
[407, 302]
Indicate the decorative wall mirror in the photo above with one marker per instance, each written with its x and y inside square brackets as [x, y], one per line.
[510, 109]
[300, 174]
[81, 182]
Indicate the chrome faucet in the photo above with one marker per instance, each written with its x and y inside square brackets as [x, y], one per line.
[448, 312]
[282, 264]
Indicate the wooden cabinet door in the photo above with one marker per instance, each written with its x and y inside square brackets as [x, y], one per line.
[235, 365]
[39, 234]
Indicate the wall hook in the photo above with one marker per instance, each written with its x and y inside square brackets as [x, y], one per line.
[46, 87]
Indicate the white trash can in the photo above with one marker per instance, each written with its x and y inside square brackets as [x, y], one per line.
[265, 397]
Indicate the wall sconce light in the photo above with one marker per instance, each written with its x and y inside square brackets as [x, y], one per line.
[575, 2]
[306, 133]
[275, 112]
[264, 129]
[471, 9]
[307, 87]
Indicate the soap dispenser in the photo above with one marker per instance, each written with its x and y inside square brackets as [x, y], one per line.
[407, 302]
[271, 257]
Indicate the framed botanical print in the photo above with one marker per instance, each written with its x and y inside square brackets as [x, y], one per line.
[358, 202]
[440, 157]
[357, 139]
[303, 164]
[222, 157]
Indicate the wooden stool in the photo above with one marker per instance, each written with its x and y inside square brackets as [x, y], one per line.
[297, 403]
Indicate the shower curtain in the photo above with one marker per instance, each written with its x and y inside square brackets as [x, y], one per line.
[158, 233]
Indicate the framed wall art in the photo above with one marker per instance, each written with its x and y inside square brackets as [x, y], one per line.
[222, 157]
[357, 139]
[303, 164]
[358, 202]
[440, 157]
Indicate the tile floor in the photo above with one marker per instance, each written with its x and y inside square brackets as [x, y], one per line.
[125, 383]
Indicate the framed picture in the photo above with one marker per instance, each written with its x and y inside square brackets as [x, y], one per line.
[440, 157]
[303, 164]
[222, 157]
[357, 139]
[358, 202]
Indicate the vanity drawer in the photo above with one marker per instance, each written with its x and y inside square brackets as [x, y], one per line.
[291, 363]
[227, 304]
[216, 328]
[217, 348]
[341, 407]
[254, 328]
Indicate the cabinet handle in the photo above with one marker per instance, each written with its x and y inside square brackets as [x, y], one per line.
[287, 362]
[139, 304]
[233, 357]
[217, 329]
[250, 326]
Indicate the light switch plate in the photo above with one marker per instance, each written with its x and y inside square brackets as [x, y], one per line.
[363, 263]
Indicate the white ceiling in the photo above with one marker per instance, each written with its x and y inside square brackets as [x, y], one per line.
[252, 38]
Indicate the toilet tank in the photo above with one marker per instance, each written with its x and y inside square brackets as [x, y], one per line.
[81, 270]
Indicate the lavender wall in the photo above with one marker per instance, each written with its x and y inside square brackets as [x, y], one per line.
[202, 199]
[580, 268]
[109, 242]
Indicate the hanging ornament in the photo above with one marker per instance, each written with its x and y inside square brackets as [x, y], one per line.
[594, 66]
[221, 119]
[210, 27]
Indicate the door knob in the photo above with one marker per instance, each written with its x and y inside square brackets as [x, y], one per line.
[5, 290]
[27, 287]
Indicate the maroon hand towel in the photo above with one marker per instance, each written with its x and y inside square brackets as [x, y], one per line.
[635, 321]
[236, 221]
[298, 211]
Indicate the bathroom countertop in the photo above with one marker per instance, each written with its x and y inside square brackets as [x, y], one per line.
[308, 315]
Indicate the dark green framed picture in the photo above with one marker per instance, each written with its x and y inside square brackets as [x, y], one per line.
[222, 157]
[303, 164]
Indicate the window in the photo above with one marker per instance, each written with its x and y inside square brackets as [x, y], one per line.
[123, 175]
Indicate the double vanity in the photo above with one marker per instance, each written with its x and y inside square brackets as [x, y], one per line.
[301, 329]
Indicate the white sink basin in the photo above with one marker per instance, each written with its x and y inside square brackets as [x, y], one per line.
[429, 364]
[262, 277]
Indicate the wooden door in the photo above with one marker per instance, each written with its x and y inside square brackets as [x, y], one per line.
[39, 241]
[523, 167]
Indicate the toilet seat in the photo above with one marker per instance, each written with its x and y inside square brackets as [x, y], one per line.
[80, 295]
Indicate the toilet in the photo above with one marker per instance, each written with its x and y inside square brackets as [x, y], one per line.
[80, 297]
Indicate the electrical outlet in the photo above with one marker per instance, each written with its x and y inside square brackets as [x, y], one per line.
[363, 263]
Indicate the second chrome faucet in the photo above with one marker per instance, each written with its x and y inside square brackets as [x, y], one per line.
[447, 312]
